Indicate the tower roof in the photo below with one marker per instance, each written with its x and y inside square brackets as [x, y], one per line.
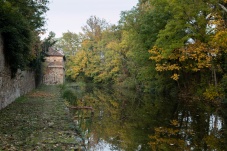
[54, 52]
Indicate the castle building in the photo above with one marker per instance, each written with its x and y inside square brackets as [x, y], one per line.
[54, 67]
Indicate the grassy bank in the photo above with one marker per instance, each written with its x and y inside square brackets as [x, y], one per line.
[37, 121]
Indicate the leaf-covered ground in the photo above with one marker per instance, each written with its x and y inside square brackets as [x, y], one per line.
[37, 121]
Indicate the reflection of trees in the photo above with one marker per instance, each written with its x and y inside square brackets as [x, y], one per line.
[197, 128]
[121, 118]
[166, 138]
[127, 121]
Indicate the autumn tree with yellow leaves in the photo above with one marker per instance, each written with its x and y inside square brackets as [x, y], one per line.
[159, 46]
[192, 46]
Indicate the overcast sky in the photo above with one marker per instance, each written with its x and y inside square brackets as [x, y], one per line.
[71, 15]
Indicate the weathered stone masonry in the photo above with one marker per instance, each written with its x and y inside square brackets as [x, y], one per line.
[55, 68]
[10, 89]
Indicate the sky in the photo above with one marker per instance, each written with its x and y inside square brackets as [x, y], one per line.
[71, 15]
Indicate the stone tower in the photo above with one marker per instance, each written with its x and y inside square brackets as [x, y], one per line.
[54, 72]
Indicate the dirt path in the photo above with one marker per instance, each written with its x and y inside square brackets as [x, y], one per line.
[37, 121]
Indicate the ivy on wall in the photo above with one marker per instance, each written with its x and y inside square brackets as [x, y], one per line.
[21, 22]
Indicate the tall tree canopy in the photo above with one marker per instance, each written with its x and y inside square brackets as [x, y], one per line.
[187, 46]
[69, 43]
[158, 46]
[21, 22]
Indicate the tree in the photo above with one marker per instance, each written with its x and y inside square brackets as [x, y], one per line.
[96, 58]
[48, 42]
[69, 43]
[40, 54]
[94, 28]
[184, 47]
[20, 24]
[141, 26]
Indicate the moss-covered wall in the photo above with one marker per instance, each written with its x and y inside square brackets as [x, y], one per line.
[10, 89]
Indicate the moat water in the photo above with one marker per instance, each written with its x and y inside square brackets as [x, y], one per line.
[124, 120]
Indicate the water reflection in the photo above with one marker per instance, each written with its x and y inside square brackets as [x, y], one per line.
[125, 121]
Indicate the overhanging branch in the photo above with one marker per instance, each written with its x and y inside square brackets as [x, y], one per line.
[223, 7]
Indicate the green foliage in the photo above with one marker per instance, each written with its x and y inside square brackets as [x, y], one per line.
[186, 48]
[48, 42]
[224, 82]
[37, 63]
[21, 99]
[141, 26]
[128, 83]
[159, 46]
[69, 95]
[214, 94]
[21, 22]
[189, 20]
[69, 43]
[97, 56]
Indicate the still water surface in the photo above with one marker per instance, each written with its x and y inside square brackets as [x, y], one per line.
[123, 120]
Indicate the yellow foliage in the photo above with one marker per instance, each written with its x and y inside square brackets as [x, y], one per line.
[167, 67]
[174, 122]
[113, 45]
[213, 93]
[77, 64]
[175, 76]
[166, 137]
[192, 57]
[125, 41]
[114, 104]
[156, 54]
[219, 40]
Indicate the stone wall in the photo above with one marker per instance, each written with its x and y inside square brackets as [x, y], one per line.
[54, 71]
[53, 75]
[55, 59]
[10, 89]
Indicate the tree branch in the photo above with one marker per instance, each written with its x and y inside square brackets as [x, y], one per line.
[223, 7]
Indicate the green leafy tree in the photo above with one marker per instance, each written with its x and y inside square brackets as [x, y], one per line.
[96, 58]
[69, 43]
[141, 26]
[20, 24]
[41, 54]
[185, 48]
